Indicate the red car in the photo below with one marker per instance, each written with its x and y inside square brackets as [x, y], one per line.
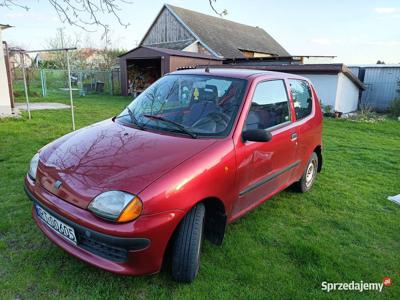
[195, 151]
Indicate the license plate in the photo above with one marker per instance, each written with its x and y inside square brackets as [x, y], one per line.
[56, 225]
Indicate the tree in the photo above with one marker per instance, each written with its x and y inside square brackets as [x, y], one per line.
[58, 59]
[380, 62]
[90, 55]
[87, 14]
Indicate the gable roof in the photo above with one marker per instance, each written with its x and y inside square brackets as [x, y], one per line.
[225, 37]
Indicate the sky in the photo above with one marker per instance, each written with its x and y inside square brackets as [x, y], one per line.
[357, 32]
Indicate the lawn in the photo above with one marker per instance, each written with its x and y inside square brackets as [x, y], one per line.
[344, 229]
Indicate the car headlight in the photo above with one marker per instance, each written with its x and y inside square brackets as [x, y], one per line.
[116, 206]
[33, 166]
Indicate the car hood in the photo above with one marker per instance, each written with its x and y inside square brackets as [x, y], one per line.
[110, 156]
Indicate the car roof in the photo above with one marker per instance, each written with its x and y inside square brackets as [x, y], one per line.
[235, 73]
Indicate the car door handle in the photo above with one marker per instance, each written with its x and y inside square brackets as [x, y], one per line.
[293, 137]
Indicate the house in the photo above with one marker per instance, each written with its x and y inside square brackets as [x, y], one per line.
[182, 29]
[180, 37]
[15, 58]
[337, 87]
[5, 91]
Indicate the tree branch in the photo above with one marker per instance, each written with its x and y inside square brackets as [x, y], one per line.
[222, 13]
[12, 3]
[85, 14]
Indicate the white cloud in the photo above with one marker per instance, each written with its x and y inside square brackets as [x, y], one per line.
[386, 10]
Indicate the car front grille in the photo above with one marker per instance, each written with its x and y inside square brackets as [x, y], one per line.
[101, 249]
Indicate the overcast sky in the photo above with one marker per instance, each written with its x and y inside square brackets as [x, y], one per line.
[355, 31]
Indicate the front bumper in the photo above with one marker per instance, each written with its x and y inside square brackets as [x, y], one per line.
[134, 248]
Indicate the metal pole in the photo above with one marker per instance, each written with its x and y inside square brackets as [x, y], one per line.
[25, 85]
[70, 91]
[41, 82]
[110, 83]
[44, 83]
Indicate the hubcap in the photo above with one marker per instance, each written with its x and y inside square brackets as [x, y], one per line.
[310, 174]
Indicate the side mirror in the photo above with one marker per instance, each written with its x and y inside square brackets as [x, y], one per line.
[257, 135]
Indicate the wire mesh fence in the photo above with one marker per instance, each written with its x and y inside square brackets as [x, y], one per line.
[54, 83]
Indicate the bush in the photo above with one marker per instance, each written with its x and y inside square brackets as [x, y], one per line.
[394, 108]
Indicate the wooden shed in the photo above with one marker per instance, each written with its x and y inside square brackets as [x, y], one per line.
[143, 65]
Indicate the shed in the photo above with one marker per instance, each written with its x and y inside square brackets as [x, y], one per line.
[143, 65]
[335, 84]
[382, 84]
[5, 99]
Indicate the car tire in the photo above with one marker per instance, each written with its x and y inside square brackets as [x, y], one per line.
[187, 245]
[310, 173]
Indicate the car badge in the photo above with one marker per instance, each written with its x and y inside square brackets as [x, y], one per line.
[57, 184]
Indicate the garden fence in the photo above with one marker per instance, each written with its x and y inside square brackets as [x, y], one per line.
[54, 83]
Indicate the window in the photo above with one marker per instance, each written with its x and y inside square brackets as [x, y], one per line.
[198, 104]
[302, 98]
[269, 106]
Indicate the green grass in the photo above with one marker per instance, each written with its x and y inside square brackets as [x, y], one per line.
[344, 229]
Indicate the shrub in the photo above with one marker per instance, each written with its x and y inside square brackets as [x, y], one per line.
[394, 108]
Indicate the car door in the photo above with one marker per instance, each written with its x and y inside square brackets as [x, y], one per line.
[305, 121]
[266, 167]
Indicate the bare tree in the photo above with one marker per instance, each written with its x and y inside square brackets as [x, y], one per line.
[87, 14]
[60, 40]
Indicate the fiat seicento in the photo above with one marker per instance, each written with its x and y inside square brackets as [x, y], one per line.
[195, 151]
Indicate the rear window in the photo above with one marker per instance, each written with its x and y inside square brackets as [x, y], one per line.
[302, 98]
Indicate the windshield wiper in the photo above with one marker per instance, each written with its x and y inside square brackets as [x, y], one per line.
[180, 127]
[133, 118]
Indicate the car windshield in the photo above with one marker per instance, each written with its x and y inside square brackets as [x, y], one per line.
[196, 105]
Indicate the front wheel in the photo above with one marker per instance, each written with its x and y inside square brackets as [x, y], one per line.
[187, 245]
[310, 173]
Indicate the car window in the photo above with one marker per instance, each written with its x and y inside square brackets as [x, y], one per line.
[269, 105]
[302, 98]
[200, 104]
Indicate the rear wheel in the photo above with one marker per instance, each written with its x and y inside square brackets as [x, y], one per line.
[187, 245]
[309, 175]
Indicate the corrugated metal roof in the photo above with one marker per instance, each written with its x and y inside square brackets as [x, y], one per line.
[375, 66]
